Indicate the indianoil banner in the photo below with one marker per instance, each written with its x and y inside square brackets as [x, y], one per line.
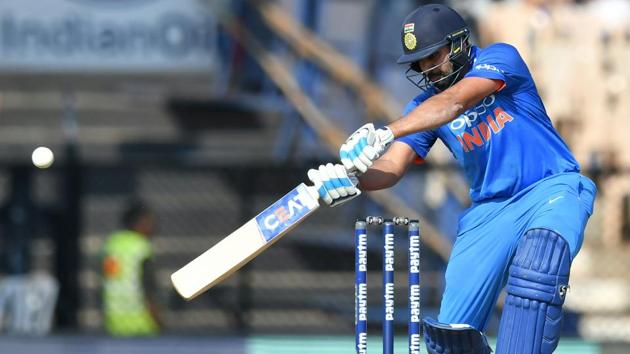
[106, 36]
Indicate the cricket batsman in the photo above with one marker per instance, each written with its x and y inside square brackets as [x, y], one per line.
[530, 204]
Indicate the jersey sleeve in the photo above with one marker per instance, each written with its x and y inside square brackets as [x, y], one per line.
[420, 142]
[501, 62]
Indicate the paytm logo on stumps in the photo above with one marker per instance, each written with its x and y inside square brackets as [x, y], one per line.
[284, 213]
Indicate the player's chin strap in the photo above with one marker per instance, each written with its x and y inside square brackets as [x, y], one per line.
[459, 56]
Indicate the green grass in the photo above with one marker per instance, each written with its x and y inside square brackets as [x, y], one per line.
[345, 345]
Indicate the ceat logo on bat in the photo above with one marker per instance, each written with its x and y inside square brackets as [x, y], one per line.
[284, 213]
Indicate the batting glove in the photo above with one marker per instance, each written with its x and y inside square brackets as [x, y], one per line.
[364, 146]
[334, 185]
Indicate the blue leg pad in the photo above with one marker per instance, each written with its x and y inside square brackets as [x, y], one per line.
[444, 338]
[536, 287]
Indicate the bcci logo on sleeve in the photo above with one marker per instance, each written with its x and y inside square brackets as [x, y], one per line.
[488, 67]
[476, 127]
[284, 213]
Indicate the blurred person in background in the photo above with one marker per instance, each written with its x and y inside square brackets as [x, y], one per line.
[614, 14]
[520, 23]
[19, 223]
[128, 282]
[530, 203]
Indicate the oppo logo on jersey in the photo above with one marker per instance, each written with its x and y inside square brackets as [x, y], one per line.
[480, 124]
[470, 116]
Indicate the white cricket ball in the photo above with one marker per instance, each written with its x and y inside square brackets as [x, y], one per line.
[42, 157]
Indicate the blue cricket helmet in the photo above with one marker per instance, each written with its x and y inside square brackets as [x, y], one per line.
[429, 28]
[425, 31]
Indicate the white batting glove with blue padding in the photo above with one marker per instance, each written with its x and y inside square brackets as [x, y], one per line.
[364, 146]
[334, 184]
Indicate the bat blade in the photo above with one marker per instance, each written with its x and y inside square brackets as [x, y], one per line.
[242, 245]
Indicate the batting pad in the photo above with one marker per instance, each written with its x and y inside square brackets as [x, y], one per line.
[537, 285]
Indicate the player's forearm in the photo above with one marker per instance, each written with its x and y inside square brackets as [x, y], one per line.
[382, 174]
[432, 113]
[446, 106]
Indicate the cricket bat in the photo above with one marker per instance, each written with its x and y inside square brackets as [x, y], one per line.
[242, 245]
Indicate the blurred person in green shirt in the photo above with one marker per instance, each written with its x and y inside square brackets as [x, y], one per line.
[127, 276]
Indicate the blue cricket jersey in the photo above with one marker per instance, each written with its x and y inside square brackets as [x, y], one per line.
[506, 142]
